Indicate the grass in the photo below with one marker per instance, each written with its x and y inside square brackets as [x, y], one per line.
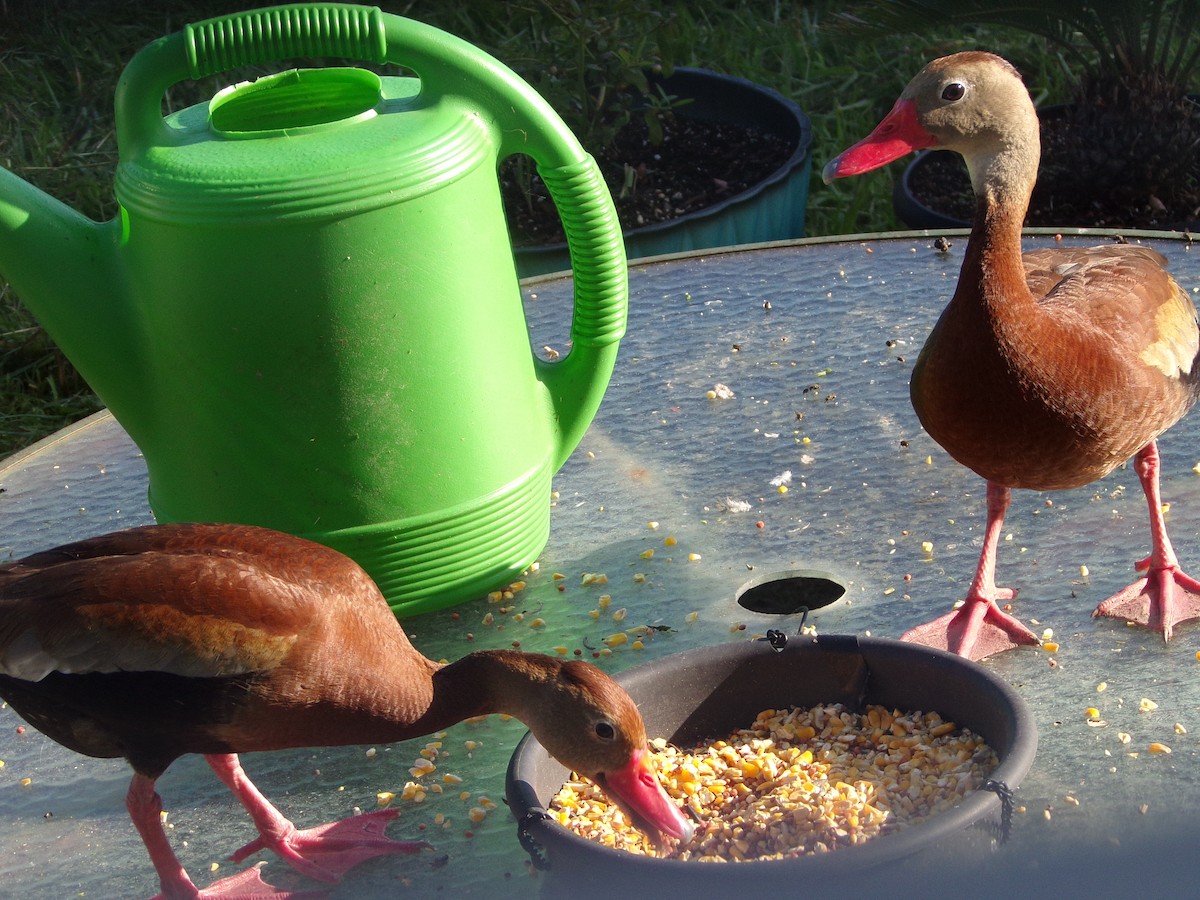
[60, 60]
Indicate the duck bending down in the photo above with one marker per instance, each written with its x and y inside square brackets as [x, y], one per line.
[1045, 371]
[164, 640]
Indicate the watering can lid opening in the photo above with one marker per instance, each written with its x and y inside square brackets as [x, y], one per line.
[297, 99]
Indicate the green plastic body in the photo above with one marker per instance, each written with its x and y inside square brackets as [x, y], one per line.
[307, 313]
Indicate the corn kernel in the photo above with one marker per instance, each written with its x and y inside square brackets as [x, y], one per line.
[1156, 747]
[647, 554]
[616, 640]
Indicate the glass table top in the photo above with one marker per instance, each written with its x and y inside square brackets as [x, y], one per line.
[813, 343]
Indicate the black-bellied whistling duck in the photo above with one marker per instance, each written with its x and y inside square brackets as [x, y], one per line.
[216, 639]
[1045, 371]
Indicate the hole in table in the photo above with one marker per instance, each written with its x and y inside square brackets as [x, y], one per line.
[788, 593]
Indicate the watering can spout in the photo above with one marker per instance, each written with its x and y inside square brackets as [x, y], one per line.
[62, 265]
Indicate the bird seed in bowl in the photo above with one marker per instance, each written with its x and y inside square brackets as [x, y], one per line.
[798, 781]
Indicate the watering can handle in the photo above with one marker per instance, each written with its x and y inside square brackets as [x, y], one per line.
[446, 66]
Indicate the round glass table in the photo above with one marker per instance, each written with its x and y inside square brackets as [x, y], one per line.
[757, 425]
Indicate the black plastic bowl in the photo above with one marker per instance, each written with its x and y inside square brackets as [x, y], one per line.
[702, 694]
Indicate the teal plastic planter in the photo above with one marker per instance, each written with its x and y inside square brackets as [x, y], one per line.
[772, 210]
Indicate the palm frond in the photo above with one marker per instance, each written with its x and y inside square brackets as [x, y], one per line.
[1122, 39]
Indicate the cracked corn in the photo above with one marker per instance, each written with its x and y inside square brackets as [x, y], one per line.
[799, 781]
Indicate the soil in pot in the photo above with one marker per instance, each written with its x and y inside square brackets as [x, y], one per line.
[696, 165]
[941, 183]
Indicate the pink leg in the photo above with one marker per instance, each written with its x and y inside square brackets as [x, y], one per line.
[145, 808]
[1166, 596]
[326, 852]
[978, 628]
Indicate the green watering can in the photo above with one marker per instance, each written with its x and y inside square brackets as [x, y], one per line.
[306, 313]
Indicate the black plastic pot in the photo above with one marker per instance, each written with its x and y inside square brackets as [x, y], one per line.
[911, 211]
[916, 214]
[702, 694]
[772, 210]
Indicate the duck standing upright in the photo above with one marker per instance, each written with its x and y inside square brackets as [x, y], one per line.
[1045, 371]
[164, 640]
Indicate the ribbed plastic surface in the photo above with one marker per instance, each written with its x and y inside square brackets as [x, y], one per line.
[285, 32]
[433, 561]
[590, 222]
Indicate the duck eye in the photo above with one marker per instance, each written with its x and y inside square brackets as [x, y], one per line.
[605, 731]
[955, 90]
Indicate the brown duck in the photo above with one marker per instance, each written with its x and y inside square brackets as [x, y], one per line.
[1045, 371]
[214, 639]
